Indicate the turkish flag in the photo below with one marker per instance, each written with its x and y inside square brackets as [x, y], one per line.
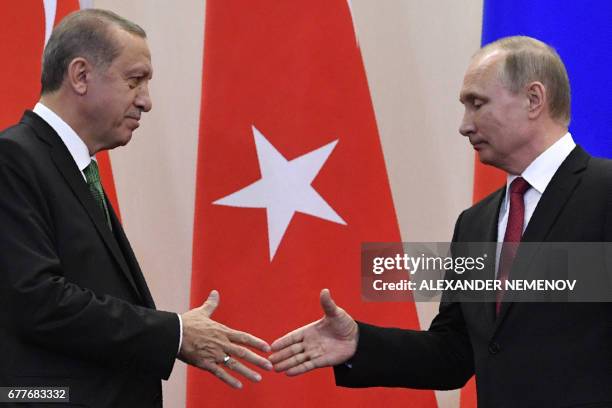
[291, 180]
[22, 39]
[26, 25]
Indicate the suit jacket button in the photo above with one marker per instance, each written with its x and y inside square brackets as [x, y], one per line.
[494, 347]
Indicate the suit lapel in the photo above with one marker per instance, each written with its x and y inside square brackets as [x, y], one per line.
[559, 190]
[482, 231]
[68, 169]
[126, 249]
[546, 214]
[490, 217]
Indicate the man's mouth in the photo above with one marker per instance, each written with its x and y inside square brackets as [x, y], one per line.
[477, 144]
[133, 123]
[136, 121]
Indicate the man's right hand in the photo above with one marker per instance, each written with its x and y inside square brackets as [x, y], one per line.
[209, 345]
[329, 341]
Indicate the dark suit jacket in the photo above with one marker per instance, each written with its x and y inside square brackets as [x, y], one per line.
[534, 354]
[74, 306]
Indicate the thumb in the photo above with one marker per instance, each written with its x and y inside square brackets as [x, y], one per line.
[211, 303]
[327, 303]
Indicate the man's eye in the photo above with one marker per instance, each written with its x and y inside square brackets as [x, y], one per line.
[477, 103]
[133, 82]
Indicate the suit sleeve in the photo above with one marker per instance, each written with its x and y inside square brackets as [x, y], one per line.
[440, 358]
[42, 308]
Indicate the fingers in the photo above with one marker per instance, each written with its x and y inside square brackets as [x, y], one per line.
[211, 303]
[221, 374]
[206, 343]
[327, 303]
[247, 355]
[286, 353]
[302, 368]
[288, 339]
[291, 362]
[247, 339]
[240, 368]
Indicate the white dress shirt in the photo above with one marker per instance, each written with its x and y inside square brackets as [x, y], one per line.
[538, 174]
[75, 145]
[80, 153]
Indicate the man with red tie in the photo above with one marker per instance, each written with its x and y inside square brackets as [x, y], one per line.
[516, 96]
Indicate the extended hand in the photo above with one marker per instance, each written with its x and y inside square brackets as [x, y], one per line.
[327, 342]
[206, 344]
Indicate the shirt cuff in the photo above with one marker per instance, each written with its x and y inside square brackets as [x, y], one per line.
[180, 333]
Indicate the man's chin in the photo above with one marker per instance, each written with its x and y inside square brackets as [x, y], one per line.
[126, 136]
[486, 158]
[126, 139]
[120, 141]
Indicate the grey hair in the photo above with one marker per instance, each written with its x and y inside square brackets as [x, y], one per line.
[527, 60]
[87, 34]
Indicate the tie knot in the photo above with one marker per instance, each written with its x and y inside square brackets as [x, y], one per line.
[519, 186]
[91, 172]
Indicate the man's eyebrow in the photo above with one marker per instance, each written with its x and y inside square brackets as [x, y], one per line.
[469, 96]
[140, 70]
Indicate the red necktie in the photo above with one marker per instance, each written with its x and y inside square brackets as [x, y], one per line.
[514, 231]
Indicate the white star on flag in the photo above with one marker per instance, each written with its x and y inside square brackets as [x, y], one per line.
[284, 188]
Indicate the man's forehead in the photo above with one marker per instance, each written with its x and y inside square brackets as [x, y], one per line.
[485, 64]
[482, 69]
[134, 56]
[130, 42]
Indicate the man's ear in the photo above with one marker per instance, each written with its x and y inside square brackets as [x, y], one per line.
[536, 96]
[78, 75]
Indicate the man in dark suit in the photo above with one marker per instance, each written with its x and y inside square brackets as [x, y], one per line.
[75, 309]
[517, 109]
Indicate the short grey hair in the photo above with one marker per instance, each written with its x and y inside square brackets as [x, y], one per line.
[85, 33]
[527, 60]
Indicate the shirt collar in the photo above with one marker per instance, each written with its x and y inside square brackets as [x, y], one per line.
[75, 145]
[539, 173]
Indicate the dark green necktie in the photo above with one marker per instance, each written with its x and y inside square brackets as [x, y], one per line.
[95, 187]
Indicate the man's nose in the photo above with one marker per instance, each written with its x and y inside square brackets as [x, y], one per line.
[143, 99]
[466, 127]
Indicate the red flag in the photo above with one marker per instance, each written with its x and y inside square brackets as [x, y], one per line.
[487, 179]
[25, 25]
[291, 180]
[22, 39]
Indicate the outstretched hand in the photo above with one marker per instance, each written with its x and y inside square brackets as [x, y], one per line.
[210, 345]
[329, 341]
